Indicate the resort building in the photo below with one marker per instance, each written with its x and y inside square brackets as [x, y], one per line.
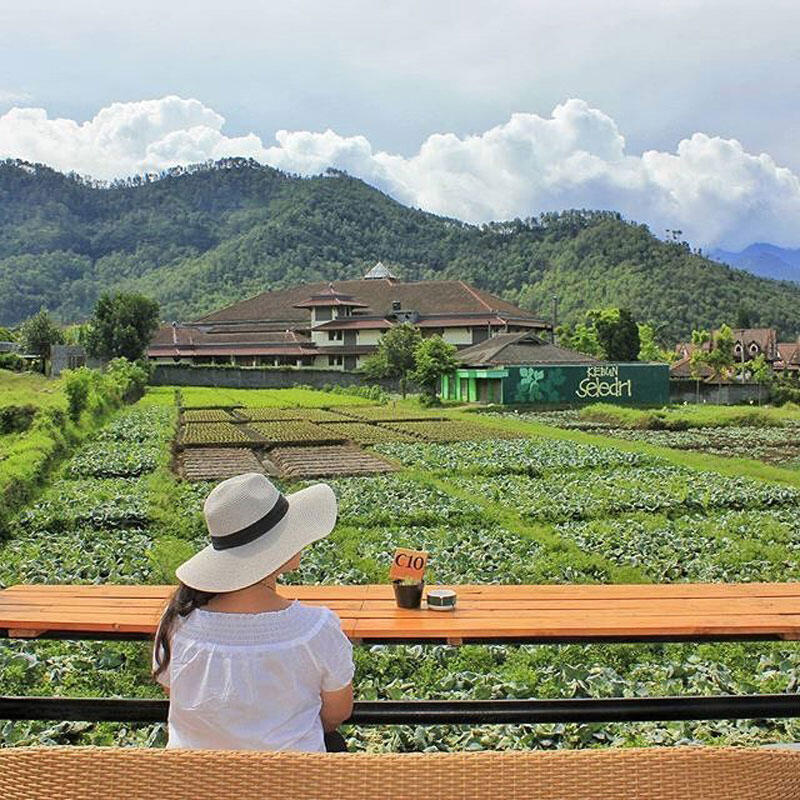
[337, 325]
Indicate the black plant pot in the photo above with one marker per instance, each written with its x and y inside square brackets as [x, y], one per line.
[408, 596]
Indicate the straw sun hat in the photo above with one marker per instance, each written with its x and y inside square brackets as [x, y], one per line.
[254, 530]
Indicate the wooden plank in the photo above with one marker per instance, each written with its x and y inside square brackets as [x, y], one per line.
[571, 626]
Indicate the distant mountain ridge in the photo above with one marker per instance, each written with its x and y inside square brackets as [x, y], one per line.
[199, 238]
[764, 259]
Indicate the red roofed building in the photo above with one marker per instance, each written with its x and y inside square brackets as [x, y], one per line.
[337, 325]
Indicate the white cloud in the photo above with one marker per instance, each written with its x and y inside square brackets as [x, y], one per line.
[10, 97]
[710, 188]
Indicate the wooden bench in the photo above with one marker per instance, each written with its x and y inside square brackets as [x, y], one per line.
[85, 773]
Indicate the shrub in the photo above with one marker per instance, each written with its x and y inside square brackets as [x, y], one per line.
[371, 392]
[16, 419]
[12, 361]
[129, 377]
[77, 386]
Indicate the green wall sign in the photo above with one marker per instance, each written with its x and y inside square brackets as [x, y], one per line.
[635, 384]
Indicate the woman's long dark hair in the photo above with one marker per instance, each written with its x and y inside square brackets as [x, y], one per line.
[184, 600]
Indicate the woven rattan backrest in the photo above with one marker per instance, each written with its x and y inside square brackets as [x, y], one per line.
[85, 773]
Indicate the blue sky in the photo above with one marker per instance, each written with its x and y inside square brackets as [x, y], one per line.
[420, 99]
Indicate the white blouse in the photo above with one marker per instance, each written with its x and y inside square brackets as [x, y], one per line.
[253, 681]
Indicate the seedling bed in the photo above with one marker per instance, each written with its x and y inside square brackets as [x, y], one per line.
[288, 414]
[214, 434]
[317, 462]
[449, 431]
[209, 464]
[387, 414]
[364, 433]
[207, 415]
[297, 432]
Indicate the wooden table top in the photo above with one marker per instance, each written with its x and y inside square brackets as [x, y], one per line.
[633, 612]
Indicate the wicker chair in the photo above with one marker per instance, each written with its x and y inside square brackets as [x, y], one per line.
[70, 773]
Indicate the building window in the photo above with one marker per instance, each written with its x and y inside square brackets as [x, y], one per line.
[307, 361]
[754, 348]
[334, 336]
[737, 349]
[334, 361]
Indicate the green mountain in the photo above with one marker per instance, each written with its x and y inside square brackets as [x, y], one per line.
[201, 237]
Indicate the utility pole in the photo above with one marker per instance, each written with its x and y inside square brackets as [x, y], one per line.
[555, 319]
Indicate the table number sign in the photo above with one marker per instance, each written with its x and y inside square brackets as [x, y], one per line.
[408, 564]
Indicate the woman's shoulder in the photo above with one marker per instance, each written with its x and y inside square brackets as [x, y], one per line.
[291, 625]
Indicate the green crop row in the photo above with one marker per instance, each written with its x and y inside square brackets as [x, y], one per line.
[727, 546]
[596, 494]
[497, 457]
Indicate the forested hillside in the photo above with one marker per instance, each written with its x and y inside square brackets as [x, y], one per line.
[198, 238]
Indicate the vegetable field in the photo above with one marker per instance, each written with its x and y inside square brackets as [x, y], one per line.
[769, 435]
[531, 509]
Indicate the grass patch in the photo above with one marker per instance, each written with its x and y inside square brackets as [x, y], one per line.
[679, 418]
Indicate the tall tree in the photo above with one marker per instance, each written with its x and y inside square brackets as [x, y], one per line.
[394, 357]
[38, 334]
[122, 326]
[721, 358]
[609, 333]
[618, 334]
[433, 358]
[698, 357]
[649, 348]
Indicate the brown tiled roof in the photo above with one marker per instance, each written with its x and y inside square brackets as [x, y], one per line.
[765, 338]
[330, 297]
[683, 369]
[187, 341]
[468, 320]
[353, 323]
[425, 297]
[187, 335]
[522, 347]
[788, 354]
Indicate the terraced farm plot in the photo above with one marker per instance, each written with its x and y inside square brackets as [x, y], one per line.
[207, 415]
[364, 433]
[218, 463]
[449, 431]
[283, 414]
[213, 434]
[297, 432]
[387, 413]
[500, 457]
[317, 462]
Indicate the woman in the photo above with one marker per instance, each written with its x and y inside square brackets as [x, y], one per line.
[245, 668]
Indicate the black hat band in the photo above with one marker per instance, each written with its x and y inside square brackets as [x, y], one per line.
[255, 529]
